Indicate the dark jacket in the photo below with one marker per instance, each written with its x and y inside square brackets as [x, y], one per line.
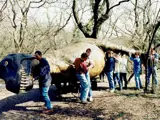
[44, 73]
[109, 64]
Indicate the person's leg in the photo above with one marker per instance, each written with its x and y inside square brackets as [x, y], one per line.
[155, 75]
[46, 98]
[140, 83]
[119, 81]
[121, 78]
[148, 75]
[40, 91]
[125, 80]
[114, 79]
[137, 80]
[90, 86]
[84, 86]
[110, 79]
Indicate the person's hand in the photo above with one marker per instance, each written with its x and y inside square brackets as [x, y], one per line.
[36, 78]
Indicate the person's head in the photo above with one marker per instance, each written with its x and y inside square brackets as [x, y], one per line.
[110, 53]
[123, 55]
[152, 51]
[84, 56]
[38, 55]
[137, 54]
[88, 51]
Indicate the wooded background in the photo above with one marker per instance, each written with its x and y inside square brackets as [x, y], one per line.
[29, 25]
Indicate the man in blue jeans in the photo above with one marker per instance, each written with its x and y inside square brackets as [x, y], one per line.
[44, 80]
[81, 70]
[152, 66]
[109, 69]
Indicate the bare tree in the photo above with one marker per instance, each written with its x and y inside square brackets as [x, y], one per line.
[19, 17]
[99, 11]
[142, 17]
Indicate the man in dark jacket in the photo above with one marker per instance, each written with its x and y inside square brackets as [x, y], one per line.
[44, 80]
[109, 69]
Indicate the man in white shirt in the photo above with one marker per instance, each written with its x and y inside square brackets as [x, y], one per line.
[90, 65]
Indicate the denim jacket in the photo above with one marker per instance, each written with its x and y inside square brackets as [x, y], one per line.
[137, 64]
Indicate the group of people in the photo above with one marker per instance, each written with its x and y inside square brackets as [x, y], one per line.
[115, 70]
[151, 68]
[82, 66]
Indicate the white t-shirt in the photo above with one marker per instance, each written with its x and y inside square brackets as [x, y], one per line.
[117, 65]
[123, 65]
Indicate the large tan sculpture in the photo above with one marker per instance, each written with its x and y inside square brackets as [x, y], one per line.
[18, 69]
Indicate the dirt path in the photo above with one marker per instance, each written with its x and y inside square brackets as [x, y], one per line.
[126, 105]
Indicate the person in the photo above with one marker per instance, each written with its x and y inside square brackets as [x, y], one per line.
[152, 66]
[123, 71]
[81, 70]
[109, 68]
[137, 69]
[90, 65]
[44, 80]
[116, 75]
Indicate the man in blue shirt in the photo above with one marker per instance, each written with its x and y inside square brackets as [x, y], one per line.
[44, 80]
[109, 69]
[137, 69]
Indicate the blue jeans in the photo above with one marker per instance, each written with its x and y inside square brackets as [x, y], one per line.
[110, 79]
[138, 80]
[45, 97]
[84, 86]
[89, 84]
[152, 71]
[116, 76]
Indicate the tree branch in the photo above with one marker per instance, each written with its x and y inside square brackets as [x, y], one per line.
[42, 3]
[80, 26]
[120, 2]
[58, 30]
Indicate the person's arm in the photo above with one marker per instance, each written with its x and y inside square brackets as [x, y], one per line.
[84, 67]
[91, 64]
[131, 58]
[116, 59]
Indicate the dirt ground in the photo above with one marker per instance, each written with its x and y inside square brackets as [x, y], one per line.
[128, 104]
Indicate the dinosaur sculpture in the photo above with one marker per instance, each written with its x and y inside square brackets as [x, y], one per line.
[15, 70]
[18, 70]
